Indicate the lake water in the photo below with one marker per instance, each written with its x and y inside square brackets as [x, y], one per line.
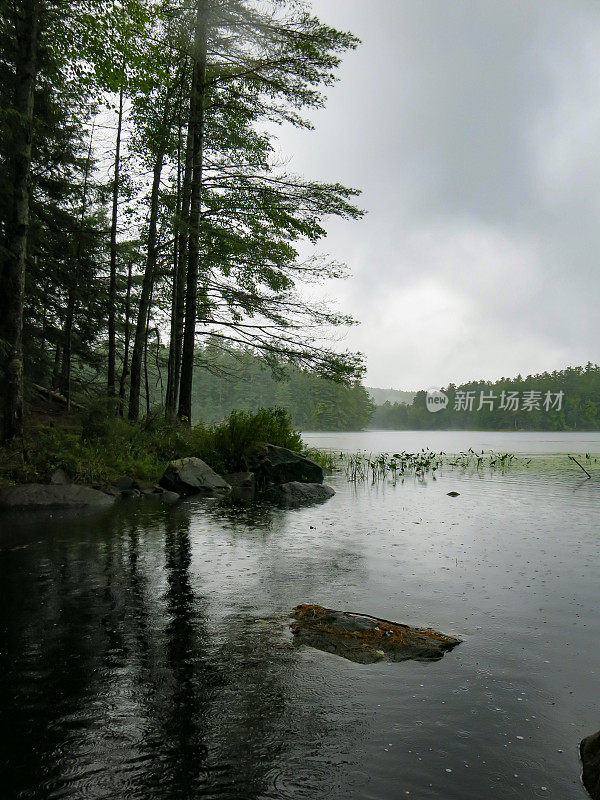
[146, 653]
[529, 442]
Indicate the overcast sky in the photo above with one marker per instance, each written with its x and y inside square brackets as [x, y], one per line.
[473, 129]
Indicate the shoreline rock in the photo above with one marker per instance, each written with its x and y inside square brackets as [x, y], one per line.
[296, 494]
[31, 496]
[589, 749]
[276, 465]
[190, 476]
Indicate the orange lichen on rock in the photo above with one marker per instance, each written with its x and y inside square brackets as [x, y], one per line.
[367, 638]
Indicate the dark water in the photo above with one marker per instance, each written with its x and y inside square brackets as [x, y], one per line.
[146, 653]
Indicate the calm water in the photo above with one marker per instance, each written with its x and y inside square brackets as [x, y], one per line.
[146, 653]
[456, 441]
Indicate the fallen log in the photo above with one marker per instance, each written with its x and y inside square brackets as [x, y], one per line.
[52, 395]
[365, 639]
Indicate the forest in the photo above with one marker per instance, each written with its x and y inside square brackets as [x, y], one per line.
[232, 379]
[564, 400]
[145, 209]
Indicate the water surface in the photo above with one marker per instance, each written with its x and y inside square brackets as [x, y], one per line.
[456, 441]
[146, 653]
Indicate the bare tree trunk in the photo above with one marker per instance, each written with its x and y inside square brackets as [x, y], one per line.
[112, 286]
[144, 304]
[125, 369]
[158, 369]
[13, 269]
[146, 380]
[197, 125]
[56, 370]
[182, 236]
[72, 296]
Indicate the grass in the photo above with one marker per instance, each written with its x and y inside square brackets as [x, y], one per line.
[104, 447]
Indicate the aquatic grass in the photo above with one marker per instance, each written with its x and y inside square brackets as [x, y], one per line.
[363, 467]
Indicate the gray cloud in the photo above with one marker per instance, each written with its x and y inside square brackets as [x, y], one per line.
[473, 129]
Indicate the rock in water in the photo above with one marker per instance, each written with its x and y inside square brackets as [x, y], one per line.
[296, 494]
[188, 476]
[243, 485]
[453, 494]
[590, 757]
[43, 496]
[274, 465]
[365, 639]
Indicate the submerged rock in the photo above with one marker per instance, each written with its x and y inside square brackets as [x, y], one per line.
[365, 639]
[146, 487]
[43, 496]
[243, 485]
[274, 465]
[590, 757]
[188, 476]
[123, 483]
[296, 494]
[169, 498]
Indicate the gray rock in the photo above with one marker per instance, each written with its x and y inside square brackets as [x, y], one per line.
[189, 476]
[122, 483]
[274, 465]
[365, 639]
[110, 490]
[146, 487]
[59, 478]
[130, 494]
[295, 494]
[243, 486]
[168, 498]
[43, 496]
[590, 757]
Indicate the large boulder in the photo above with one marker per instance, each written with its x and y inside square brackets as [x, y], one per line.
[273, 465]
[590, 757]
[365, 639]
[295, 494]
[188, 476]
[44, 496]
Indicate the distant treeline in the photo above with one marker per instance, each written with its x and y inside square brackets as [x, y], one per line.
[565, 400]
[231, 378]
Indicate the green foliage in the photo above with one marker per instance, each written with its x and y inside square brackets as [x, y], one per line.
[580, 405]
[231, 438]
[232, 378]
[108, 446]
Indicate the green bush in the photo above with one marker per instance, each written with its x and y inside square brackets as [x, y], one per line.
[223, 446]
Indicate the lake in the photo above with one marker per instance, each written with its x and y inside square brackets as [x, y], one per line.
[529, 442]
[146, 653]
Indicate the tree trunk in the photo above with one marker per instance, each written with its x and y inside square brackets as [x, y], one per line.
[112, 286]
[13, 271]
[178, 301]
[197, 124]
[144, 304]
[125, 369]
[56, 368]
[72, 296]
[146, 380]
